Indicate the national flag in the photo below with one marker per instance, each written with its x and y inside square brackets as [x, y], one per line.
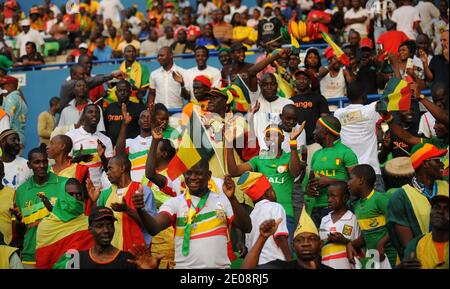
[341, 56]
[194, 146]
[285, 89]
[241, 95]
[396, 95]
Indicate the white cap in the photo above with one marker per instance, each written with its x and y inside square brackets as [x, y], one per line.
[25, 22]
[83, 45]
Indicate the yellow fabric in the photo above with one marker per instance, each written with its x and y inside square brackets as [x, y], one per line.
[6, 202]
[46, 124]
[241, 32]
[52, 229]
[427, 254]
[332, 249]
[372, 223]
[203, 226]
[68, 172]
[5, 254]
[135, 73]
[36, 216]
[420, 204]
[117, 240]
[253, 177]
[163, 244]
[305, 224]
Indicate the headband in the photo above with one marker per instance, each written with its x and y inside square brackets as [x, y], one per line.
[274, 129]
[329, 126]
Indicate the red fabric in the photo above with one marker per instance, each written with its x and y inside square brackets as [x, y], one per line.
[329, 53]
[248, 153]
[314, 29]
[391, 40]
[206, 81]
[131, 232]
[366, 42]
[257, 190]
[96, 92]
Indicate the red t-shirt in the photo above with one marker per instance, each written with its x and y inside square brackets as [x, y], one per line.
[391, 40]
[314, 29]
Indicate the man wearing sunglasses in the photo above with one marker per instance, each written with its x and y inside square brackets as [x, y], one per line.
[408, 213]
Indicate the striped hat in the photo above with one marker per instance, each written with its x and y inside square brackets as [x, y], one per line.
[422, 152]
[254, 185]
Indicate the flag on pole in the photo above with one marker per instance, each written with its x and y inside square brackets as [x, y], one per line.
[341, 56]
[396, 95]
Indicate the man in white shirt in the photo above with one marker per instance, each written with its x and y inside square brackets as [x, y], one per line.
[236, 7]
[167, 39]
[357, 19]
[439, 92]
[408, 19]
[427, 11]
[150, 46]
[202, 68]
[16, 167]
[380, 10]
[111, 9]
[270, 106]
[28, 35]
[204, 11]
[358, 129]
[167, 82]
[87, 140]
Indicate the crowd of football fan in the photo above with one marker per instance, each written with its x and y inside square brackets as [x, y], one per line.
[247, 165]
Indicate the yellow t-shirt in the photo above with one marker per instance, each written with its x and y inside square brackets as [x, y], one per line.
[240, 32]
[6, 202]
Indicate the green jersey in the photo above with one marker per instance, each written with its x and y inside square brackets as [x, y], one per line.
[277, 172]
[331, 162]
[33, 209]
[371, 216]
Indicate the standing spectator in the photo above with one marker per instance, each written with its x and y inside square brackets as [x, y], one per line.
[114, 39]
[337, 23]
[28, 35]
[15, 105]
[207, 38]
[182, 45]
[102, 51]
[292, 9]
[88, 140]
[222, 30]
[437, 71]
[358, 129]
[357, 19]
[379, 11]
[111, 9]
[150, 46]
[35, 199]
[391, 39]
[242, 33]
[439, 93]
[333, 162]
[427, 12]
[318, 20]
[204, 12]
[16, 167]
[254, 19]
[47, 121]
[202, 68]
[96, 92]
[268, 26]
[438, 26]
[167, 39]
[167, 82]
[408, 19]
[136, 73]
[128, 40]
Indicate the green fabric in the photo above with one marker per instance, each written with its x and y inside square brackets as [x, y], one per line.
[29, 203]
[412, 246]
[5, 62]
[333, 163]
[187, 229]
[374, 207]
[169, 133]
[67, 207]
[440, 143]
[282, 182]
[400, 212]
[103, 198]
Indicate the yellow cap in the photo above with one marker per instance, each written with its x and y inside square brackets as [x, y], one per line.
[305, 224]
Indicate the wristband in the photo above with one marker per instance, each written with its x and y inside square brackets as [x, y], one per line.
[293, 142]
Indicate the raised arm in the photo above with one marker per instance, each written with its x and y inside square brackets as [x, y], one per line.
[150, 165]
[121, 139]
[295, 165]
[241, 218]
[438, 113]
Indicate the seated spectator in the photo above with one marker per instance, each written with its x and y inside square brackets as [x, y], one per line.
[102, 52]
[150, 46]
[47, 121]
[357, 19]
[32, 58]
[207, 38]
[181, 44]
[128, 40]
[167, 39]
[242, 33]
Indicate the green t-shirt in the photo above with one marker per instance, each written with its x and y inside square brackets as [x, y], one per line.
[5, 62]
[277, 172]
[33, 209]
[333, 163]
[371, 216]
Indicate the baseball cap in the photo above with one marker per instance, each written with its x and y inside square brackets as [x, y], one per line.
[366, 42]
[83, 45]
[302, 71]
[99, 213]
[422, 152]
[237, 46]
[25, 22]
[9, 79]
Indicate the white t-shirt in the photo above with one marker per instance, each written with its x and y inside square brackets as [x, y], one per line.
[89, 141]
[268, 113]
[333, 87]
[208, 241]
[110, 9]
[426, 125]
[361, 28]
[213, 73]
[17, 172]
[334, 255]
[265, 210]
[405, 16]
[31, 36]
[149, 48]
[168, 91]
[137, 149]
[427, 12]
[358, 132]
[301, 140]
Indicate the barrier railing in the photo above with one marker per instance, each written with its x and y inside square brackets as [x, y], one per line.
[340, 101]
[212, 53]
